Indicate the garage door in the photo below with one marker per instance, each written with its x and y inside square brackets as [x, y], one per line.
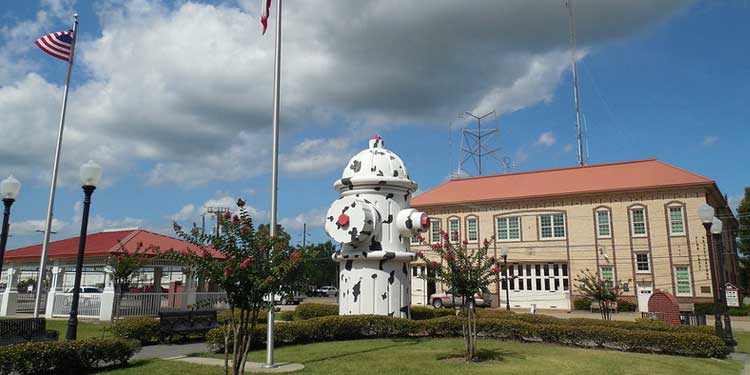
[544, 284]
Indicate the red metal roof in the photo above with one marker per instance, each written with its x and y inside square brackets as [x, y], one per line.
[103, 244]
[622, 176]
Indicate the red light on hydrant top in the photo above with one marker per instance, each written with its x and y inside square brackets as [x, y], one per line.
[343, 220]
[376, 137]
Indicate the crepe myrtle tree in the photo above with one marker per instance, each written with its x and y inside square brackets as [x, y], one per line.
[465, 273]
[125, 266]
[604, 292]
[249, 267]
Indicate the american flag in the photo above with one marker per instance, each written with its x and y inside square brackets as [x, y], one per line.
[59, 44]
[265, 10]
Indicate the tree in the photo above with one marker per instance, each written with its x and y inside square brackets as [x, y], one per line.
[319, 267]
[604, 292]
[464, 273]
[124, 267]
[743, 242]
[249, 266]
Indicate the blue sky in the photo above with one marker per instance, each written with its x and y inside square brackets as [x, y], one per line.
[174, 100]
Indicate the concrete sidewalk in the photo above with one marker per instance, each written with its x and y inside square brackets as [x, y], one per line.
[171, 351]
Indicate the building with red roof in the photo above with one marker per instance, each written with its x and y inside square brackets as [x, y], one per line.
[634, 222]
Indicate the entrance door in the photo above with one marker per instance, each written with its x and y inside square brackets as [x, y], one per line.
[644, 293]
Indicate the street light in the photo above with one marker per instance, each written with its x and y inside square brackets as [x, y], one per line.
[504, 253]
[9, 189]
[90, 175]
[706, 214]
[716, 229]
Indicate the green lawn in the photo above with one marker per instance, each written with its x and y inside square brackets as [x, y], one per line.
[86, 329]
[743, 342]
[412, 356]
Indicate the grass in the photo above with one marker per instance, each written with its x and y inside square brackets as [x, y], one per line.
[413, 356]
[743, 342]
[86, 329]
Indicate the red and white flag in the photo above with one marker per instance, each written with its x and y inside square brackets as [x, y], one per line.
[265, 10]
[57, 44]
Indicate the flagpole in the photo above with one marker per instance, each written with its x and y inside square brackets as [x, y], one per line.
[53, 183]
[274, 173]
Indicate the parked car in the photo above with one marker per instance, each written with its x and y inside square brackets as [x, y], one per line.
[85, 289]
[440, 300]
[287, 299]
[326, 291]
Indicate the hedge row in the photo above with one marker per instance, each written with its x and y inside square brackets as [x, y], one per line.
[65, 357]
[424, 312]
[306, 311]
[334, 328]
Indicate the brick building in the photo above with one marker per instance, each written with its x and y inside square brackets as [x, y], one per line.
[634, 221]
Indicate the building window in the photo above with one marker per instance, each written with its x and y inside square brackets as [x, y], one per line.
[552, 226]
[435, 231]
[472, 232]
[641, 262]
[603, 225]
[608, 274]
[682, 280]
[638, 220]
[676, 221]
[508, 228]
[415, 240]
[454, 227]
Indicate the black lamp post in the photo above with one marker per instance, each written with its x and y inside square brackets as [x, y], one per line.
[90, 174]
[504, 253]
[716, 230]
[9, 189]
[706, 214]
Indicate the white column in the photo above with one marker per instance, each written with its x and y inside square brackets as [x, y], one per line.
[54, 289]
[108, 296]
[10, 296]
[190, 288]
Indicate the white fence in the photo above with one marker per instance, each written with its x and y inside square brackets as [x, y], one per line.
[89, 304]
[151, 304]
[25, 302]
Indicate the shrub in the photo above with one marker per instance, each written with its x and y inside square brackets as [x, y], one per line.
[740, 311]
[582, 303]
[142, 329]
[314, 310]
[706, 308]
[625, 305]
[65, 357]
[623, 338]
[425, 312]
[286, 315]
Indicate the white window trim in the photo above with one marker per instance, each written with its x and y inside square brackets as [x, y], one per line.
[632, 222]
[450, 231]
[669, 218]
[552, 222]
[467, 229]
[439, 227]
[689, 280]
[635, 256]
[497, 234]
[609, 223]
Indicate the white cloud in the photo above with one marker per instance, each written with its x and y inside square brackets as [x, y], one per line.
[313, 218]
[29, 227]
[710, 139]
[313, 156]
[186, 212]
[188, 87]
[546, 139]
[190, 213]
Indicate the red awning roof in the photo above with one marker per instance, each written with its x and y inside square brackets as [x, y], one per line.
[622, 176]
[103, 244]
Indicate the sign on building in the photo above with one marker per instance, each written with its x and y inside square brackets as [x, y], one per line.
[732, 294]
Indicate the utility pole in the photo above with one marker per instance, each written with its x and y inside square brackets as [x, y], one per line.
[579, 131]
[304, 236]
[217, 211]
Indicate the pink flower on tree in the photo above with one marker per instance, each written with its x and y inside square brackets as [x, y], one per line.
[227, 215]
[247, 262]
[420, 238]
[434, 264]
[295, 256]
[235, 220]
[228, 271]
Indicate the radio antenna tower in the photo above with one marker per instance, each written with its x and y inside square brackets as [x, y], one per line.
[579, 130]
[476, 143]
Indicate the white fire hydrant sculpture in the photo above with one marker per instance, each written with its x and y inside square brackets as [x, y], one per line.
[373, 221]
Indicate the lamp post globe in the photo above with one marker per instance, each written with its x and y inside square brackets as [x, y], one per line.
[706, 213]
[9, 189]
[716, 226]
[90, 174]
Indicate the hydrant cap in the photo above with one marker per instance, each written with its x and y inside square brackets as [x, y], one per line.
[375, 165]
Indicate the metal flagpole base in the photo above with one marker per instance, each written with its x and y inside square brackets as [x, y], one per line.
[276, 368]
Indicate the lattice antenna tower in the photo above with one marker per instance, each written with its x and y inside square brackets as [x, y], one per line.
[217, 211]
[478, 143]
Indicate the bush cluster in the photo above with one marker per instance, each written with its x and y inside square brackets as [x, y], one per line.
[706, 308]
[141, 329]
[582, 303]
[425, 312]
[577, 333]
[314, 310]
[740, 311]
[624, 305]
[65, 357]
